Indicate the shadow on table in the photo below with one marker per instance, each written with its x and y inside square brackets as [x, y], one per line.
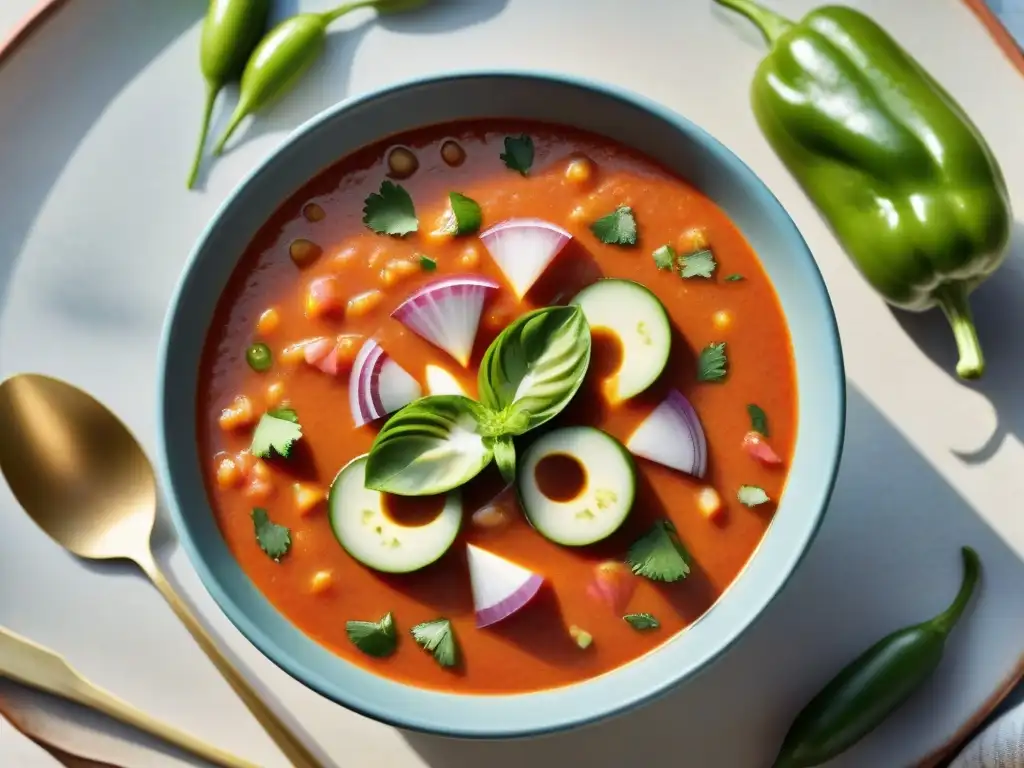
[998, 306]
[894, 528]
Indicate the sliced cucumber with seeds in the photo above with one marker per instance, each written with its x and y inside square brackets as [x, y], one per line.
[603, 502]
[367, 533]
[634, 316]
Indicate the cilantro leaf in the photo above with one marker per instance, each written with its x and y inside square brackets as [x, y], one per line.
[273, 539]
[617, 228]
[699, 264]
[734, 277]
[374, 638]
[758, 419]
[518, 154]
[641, 621]
[664, 257]
[711, 363]
[438, 637]
[659, 555]
[751, 495]
[390, 211]
[276, 432]
[427, 264]
[465, 215]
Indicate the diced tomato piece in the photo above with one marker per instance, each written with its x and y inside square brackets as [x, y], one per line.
[755, 444]
[323, 298]
[613, 583]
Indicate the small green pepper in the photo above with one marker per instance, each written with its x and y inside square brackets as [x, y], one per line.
[259, 357]
[874, 684]
[230, 32]
[903, 177]
[287, 51]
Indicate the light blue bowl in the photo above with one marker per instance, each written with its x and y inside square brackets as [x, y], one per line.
[669, 139]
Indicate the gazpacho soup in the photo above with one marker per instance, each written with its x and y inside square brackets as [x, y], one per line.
[494, 407]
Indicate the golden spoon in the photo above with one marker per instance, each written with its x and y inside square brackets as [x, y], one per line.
[24, 662]
[85, 480]
[59, 754]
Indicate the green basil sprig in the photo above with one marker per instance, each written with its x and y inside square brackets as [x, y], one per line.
[528, 375]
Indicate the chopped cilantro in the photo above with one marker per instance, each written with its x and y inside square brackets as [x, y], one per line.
[464, 217]
[390, 211]
[734, 277]
[273, 539]
[699, 264]
[276, 432]
[427, 264]
[374, 638]
[518, 154]
[751, 495]
[438, 637]
[641, 621]
[659, 555]
[617, 228]
[664, 257]
[711, 363]
[758, 419]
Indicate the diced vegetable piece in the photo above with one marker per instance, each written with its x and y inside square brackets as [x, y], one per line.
[364, 303]
[613, 584]
[523, 249]
[239, 414]
[259, 357]
[324, 298]
[441, 382]
[274, 394]
[694, 239]
[321, 582]
[269, 320]
[709, 503]
[604, 501]
[368, 534]
[752, 495]
[499, 512]
[333, 355]
[378, 385]
[579, 170]
[397, 270]
[470, 257]
[638, 320]
[447, 313]
[757, 446]
[582, 638]
[228, 473]
[500, 587]
[304, 252]
[672, 435]
[722, 319]
[307, 497]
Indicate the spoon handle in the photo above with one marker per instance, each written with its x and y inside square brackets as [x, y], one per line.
[282, 735]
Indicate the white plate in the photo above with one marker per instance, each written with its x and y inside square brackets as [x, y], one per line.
[98, 114]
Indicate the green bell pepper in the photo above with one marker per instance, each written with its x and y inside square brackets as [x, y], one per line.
[903, 177]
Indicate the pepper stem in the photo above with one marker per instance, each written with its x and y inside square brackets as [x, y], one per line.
[211, 96]
[771, 24]
[341, 10]
[952, 297]
[236, 118]
[946, 620]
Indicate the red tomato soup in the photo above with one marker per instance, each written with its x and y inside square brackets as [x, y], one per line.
[650, 544]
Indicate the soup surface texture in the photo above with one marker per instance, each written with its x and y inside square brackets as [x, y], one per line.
[317, 275]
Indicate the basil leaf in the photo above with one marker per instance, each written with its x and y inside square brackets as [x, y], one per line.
[505, 457]
[430, 446]
[535, 366]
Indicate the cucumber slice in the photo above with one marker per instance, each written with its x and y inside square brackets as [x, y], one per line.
[360, 525]
[636, 317]
[607, 494]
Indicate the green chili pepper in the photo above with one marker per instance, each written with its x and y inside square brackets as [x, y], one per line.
[230, 32]
[901, 174]
[872, 686]
[258, 357]
[287, 51]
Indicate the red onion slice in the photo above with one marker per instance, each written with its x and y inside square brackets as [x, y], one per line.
[500, 587]
[378, 385]
[523, 249]
[672, 435]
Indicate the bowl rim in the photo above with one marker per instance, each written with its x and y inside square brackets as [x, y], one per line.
[555, 720]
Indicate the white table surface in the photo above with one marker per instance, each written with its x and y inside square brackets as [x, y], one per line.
[89, 206]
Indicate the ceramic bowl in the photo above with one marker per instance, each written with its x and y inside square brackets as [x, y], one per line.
[666, 137]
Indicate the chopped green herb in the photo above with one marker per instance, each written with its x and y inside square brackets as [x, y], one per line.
[734, 277]
[273, 539]
[758, 419]
[641, 621]
[664, 257]
[751, 495]
[390, 211]
[438, 637]
[464, 217]
[258, 357]
[581, 636]
[659, 555]
[427, 264]
[276, 432]
[699, 264]
[711, 363]
[518, 154]
[617, 228]
[374, 638]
